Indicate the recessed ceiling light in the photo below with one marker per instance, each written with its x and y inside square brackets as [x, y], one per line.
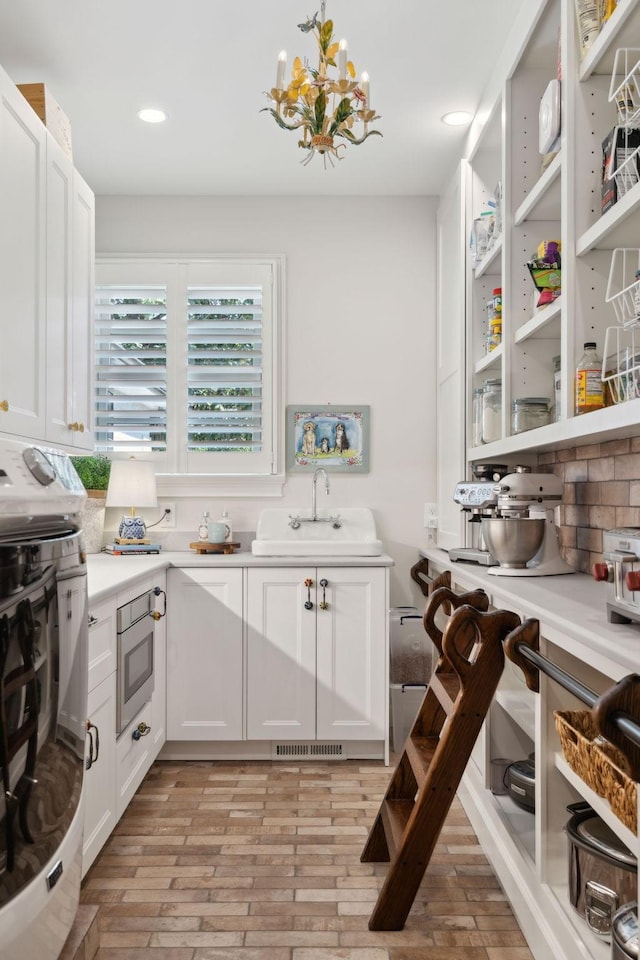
[457, 118]
[152, 116]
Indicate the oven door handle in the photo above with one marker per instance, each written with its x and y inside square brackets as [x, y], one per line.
[94, 744]
[157, 591]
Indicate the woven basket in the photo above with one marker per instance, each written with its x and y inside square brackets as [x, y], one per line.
[598, 763]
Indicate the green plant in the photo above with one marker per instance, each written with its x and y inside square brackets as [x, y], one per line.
[93, 471]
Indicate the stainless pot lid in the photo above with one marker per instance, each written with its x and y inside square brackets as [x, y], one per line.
[597, 834]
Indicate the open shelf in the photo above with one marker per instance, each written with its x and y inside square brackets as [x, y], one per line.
[613, 229]
[546, 324]
[543, 202]
[600, 56]
[600, 806]
[520, 824]
[520, 706]
[490, 262]
[598, 948]
[490, 361]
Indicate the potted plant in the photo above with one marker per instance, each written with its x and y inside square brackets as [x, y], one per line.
[94, 473]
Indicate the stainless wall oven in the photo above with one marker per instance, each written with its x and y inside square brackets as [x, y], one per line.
[135, 677]
[43, 699]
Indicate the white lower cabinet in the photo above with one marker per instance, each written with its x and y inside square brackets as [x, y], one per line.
[316, 653]
[204, 654]
[117, 767]
[100, 815]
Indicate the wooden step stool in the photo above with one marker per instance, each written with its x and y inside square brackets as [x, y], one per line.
[436, 751]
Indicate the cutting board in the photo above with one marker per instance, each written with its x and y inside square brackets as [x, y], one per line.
[201, 546]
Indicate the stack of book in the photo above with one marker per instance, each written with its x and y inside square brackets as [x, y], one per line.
[119, 549]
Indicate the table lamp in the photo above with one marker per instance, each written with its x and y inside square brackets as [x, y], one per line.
[132, 484]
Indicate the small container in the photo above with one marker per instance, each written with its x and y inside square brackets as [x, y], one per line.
[226, 520]
[496, 301]
[527, 413]
[216, 532]
[476, 417]
[492, 411]
[589, 386]
[203, 529]
[557, 379]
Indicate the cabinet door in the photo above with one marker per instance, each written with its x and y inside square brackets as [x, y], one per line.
[82, 287]
[22, 265]
[450, 373]
[204, 655]
[100, 779]
[281, 654]
[352, 654]
[58, 286]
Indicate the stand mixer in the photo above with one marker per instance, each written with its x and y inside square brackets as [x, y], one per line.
[523, 536]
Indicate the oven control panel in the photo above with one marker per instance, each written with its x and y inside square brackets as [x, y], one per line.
[37, 480]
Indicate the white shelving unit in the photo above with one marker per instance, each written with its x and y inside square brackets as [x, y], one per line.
[561, 202]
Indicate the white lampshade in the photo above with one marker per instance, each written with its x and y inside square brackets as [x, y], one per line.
[132, 483]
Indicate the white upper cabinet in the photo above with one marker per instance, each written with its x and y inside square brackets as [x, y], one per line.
[22, 265]
[46, 282]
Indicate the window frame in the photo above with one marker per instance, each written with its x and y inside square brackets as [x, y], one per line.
[173, 476]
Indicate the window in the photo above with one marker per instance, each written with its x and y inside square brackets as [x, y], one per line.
[186, 355]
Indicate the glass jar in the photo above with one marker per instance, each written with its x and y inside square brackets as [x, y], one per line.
[492, 411]
[527, 413]
[476, 417]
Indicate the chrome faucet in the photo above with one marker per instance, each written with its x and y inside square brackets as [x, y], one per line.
[336, 522]
[316, 473]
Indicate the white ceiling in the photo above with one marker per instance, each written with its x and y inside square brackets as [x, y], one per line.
[208, 63]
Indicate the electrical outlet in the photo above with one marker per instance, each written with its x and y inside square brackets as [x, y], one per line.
[431, 515]
[169, 519]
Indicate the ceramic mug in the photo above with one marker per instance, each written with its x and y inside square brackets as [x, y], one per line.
[217, 532]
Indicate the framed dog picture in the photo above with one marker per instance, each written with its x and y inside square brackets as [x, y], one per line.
[334, 436]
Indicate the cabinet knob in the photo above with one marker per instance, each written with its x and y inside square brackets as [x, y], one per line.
[4, 405]
[602, 572]
[632, 579]
[142, 730]
[73, 426]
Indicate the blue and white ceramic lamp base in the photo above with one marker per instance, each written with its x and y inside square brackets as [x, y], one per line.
[132, 528]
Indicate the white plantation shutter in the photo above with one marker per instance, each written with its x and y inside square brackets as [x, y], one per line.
[186, 364]
[224, 373]
[131, 368]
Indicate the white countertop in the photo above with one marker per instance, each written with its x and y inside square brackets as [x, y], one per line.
[572, 606]
[107, 574]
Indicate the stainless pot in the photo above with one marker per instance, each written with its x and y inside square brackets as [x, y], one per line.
[603, 873]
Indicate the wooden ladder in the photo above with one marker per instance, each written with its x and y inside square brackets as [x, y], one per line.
[436, 751]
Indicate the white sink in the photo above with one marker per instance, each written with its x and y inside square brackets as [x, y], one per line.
[355, 537]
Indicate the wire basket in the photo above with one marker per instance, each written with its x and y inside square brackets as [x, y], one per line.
[624, 89]
[623, 286]
[598, 763]
[621, 364]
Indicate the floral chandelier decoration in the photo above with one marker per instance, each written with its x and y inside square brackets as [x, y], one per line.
[323, 107]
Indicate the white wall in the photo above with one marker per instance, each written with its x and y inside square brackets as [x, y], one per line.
[360, 308]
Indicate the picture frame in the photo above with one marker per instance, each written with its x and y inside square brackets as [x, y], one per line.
[333, 436]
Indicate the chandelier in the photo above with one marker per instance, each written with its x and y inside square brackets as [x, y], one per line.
[323, 108]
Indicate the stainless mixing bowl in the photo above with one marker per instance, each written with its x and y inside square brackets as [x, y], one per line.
[513, 540]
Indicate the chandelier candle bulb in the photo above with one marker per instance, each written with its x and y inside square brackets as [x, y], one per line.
[364, 86]
[282, 66]
[342, 60]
